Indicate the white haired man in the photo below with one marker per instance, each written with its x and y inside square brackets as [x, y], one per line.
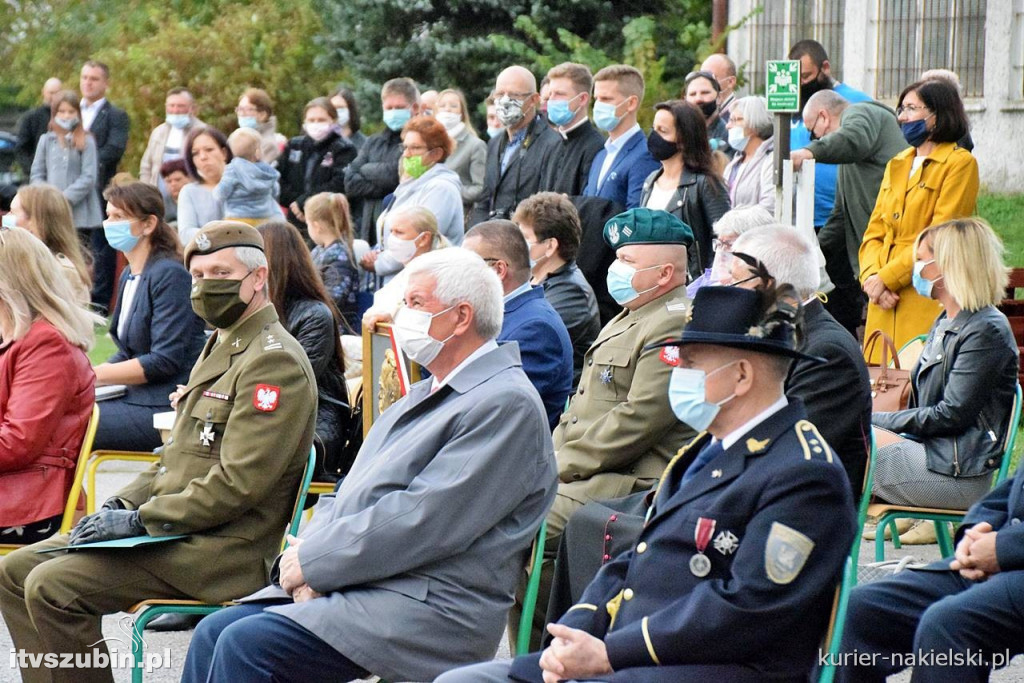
[409, 569]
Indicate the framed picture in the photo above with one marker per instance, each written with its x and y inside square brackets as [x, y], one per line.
[387, 372]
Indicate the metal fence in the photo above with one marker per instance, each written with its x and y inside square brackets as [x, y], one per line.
[784, 22]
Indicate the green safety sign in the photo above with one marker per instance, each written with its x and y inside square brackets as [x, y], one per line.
[782, 85]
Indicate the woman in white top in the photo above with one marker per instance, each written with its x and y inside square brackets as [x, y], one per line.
[749, 175]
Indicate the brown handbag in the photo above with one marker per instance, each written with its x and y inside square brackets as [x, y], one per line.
[890, 386]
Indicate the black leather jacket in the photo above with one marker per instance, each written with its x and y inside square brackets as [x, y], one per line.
[961, 394]
[699, 201]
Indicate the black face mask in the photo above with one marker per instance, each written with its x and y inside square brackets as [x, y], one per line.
[822, 82]
[660, 148]
[708, 108]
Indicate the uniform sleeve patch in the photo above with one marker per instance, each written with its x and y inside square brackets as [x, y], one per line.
[670, 355]
[785, 553]
[266, 397]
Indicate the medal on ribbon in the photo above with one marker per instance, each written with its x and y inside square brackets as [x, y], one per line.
[700, 564]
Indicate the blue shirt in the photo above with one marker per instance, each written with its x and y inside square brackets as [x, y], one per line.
[513, 147]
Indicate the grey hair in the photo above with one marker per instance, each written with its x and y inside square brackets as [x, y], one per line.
[944, 75]
[462, 276]
[826, 100]
[252, 258]
[754, 111]
[741, 219]
[786, 253]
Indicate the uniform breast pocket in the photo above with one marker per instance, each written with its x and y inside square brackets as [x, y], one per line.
[613, 373]
[209, 419]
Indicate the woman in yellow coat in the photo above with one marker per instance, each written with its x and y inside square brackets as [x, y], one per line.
[930, 183]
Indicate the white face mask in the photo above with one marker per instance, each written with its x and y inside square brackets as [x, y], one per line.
[448, 119]
[412, 332]
[401, 250]
[343, 117]
[317, 131]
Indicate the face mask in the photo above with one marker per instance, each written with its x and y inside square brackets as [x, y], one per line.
[178, 121]
[247, 122]
[737, 140]
[660, 148]
[414, 166]
[317, 131]
[491, 132]
[217, 301]
[620, 282]
[708, 108]
[529, 252]
[67, 124]
[807, 89]
[721, 267]
[396, 118]
[559, 112]
[915, 132]
[412, 331]
[509, 111]
[401, 250]
[119, 235]
[604, 115]
[449, 119]
[343, 117]
[9, 221]
[688, 398]
[923, 285]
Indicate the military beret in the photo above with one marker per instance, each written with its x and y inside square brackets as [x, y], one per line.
[646, 226]
[217, 235]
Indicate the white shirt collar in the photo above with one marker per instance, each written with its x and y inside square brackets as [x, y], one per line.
[521, 289]
[735, 435]
[486, 347]
[613, 146]
[565, 131]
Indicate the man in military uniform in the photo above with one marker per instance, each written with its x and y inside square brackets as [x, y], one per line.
[733, 575]
[226, 479]
[619, 432]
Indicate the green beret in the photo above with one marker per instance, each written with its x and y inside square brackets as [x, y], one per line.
[646, 226]
[217, 235]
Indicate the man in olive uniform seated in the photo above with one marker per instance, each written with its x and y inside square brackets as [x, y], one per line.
[226, 480]
[733, 575]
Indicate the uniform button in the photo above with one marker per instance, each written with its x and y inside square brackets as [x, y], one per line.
[170, 441]
[575, 419]
[168, 526]
[581, 391]
[938, 356]
[162, 470]
[590, 361]
[627, 594]
[642, 548]
[1015, 521]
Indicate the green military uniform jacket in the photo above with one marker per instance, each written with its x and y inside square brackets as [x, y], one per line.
[229, 473]
[619, 432]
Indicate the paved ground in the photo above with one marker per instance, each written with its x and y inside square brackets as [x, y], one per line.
[176, 644]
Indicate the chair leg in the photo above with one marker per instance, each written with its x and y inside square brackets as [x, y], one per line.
[880, 538]
[942, 536]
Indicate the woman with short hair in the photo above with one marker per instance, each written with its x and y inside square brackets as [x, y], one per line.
[256, 110]
[749, 175]
[46, 387]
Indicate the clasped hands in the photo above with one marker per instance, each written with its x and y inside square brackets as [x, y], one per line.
[879, 294]
[975, 556]
[573, 654]
[291, 578]
[111, 522]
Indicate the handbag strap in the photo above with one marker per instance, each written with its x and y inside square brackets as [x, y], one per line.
[889, 351]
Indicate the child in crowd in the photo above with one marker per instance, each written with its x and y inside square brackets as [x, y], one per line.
[330, 228]
[249, 187]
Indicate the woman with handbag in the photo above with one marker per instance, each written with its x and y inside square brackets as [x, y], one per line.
[942, 450]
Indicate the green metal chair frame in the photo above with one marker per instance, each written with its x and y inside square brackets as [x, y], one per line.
[147, 610]
[532, 589]
[849, 579]
[888, 514]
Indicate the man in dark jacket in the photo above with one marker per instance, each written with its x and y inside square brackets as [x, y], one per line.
[374, 173]
[569, 86]
[860, 137]
[33, 124]
[518, 160]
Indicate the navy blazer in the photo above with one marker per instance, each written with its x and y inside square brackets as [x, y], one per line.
[624, 182]
[110, 130]
[544, 348]
[161, 331]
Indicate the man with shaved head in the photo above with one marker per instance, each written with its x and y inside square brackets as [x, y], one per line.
[517, 160]
[724, 71]
[34, 123]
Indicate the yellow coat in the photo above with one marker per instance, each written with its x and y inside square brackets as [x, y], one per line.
[943, 188]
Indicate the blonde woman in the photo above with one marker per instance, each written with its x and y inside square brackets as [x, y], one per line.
[469, 158]
[963, 383]
[43, 211]
[330, 228]
[47, 387]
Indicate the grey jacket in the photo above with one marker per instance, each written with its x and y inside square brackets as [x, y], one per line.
[72, 172]
[962, 390]
[419, 551]
[753, 183]
[469, 160]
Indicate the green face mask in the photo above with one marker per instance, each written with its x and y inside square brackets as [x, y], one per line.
[413, 166]
[218, 302]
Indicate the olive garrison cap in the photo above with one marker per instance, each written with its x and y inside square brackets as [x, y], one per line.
[217, 235]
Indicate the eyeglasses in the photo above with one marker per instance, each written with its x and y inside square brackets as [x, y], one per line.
[722, 245]
[911, 108]
[511, 95]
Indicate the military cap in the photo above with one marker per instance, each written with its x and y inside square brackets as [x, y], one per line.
[646, 226]
[217, 235]
[745, 319]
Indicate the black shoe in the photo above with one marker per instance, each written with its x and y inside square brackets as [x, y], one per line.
[174, 622]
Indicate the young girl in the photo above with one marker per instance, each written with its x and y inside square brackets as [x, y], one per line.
[66, 158]
[330, 228]
[249, 187]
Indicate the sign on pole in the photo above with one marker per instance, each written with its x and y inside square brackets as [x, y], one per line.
[782, 85]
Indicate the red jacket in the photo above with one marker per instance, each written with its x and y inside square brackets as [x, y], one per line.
[47, 391]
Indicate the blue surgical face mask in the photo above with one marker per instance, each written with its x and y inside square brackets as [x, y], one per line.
[247, 122]
[491, 132]
[688, 397]
[396, 118]
[604, 115]
[620, 282]
[923, 285]
[9, 221]
[559, 112]
[915, 132]
[119, 235]
[178, 121]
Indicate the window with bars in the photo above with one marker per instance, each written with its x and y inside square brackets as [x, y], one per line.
[784, 22]
[917, 35]
[1017, 52]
